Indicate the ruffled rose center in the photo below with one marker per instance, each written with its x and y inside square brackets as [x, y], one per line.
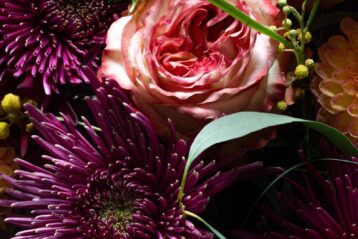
[198, 41]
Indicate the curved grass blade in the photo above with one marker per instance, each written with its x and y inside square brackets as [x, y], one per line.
[287, 171]
[212, 229]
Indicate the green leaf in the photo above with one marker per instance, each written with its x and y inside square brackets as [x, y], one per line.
[243, 123]
[212, 229]
[134, 4]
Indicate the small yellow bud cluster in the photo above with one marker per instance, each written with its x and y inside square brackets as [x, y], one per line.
[287, 23]
[4, 130]
[303, 71]
[280, 47]
[296, 38]
[11, 103]
[281, 105]
[308, 36]
[11, 113]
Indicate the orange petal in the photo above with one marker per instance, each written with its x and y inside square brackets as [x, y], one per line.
[330, 88]
[342, 122]
[325, 101]
[322, 53]
[349, 25]
[337, 59]
[353, 129]
[341, 101]
[352, 110]
[7, 155]
[353, 40]
[338, 43]
[340, 76]
[324, 70]
[349, 87]
[6, 170]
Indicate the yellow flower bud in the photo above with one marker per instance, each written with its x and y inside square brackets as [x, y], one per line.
[281, 105]
[4, 130]
[282, 3]
[293, 33]
[286, 10]
[11, 103]
[308, 37]
[30, 128]
[280, 47]
[309, 63]
[301, 72]
[287, 23]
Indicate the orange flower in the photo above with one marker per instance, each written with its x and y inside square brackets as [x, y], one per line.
[336, 84]
[7, 166]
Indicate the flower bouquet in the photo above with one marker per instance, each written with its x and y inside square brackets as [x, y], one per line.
[173, 119]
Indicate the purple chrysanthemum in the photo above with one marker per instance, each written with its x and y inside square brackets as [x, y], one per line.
[49, 40]
[119, 183]
[320, 207]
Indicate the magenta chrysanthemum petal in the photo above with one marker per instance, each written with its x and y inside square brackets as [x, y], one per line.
[51, 39]
[320, 208]
[119, 183]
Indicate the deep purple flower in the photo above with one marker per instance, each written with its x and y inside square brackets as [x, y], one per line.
[122, 182]
[49, 40]
[320, 207]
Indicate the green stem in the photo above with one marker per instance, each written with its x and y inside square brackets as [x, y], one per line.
[245, 19]
[296, 14]
[313, 13]
[82, 124]
[216, 232]
[182, 185]
[133, 6]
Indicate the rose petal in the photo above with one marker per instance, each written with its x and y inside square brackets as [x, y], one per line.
[112, 59]
[264, 11]
[271, 90]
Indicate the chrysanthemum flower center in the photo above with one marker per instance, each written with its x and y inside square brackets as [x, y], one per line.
[107, 206]
[118, 211]
[79, 8]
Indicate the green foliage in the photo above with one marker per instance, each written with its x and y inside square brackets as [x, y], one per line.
[244, 123]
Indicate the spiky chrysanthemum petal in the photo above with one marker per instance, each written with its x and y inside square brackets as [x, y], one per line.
[49, 40]
[321, 207]
[119, 183]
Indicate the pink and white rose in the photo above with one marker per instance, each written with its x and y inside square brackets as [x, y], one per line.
[192, 63]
